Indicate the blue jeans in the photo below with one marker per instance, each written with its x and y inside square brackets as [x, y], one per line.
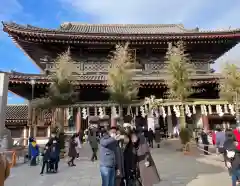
[235, 177]
[108, 176]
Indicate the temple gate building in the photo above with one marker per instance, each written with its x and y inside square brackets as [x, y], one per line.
[90, 45]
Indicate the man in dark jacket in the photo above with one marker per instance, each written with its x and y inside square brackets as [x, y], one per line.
[232, 158]
[108, 150]
[204, 137]
[54, 155]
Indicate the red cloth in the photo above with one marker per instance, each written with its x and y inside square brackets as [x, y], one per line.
[237, 137]
[213, 137]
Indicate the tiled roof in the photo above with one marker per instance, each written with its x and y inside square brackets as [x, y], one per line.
[111, 29]
[124, 28]
[17, 112]
[70, 27]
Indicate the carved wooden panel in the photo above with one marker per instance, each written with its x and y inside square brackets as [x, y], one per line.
[95, 67]
[154, 66]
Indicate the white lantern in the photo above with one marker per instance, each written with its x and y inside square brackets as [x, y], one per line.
[194, 109]
[231, 108]
[142, 110]
[188, 111]
[163, 112]
[101, 113]
[84, 112]
[209, 109]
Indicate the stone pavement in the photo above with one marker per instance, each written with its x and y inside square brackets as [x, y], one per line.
[175, 170]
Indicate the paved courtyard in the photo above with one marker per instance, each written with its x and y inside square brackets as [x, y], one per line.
[175, 170]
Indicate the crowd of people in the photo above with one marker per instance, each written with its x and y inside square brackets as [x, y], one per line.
[125, 158]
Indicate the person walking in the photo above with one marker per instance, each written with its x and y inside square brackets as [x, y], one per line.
[72, 153]
[220, 139]
[79, 145]
[108, 149]
[232, 158]
[46, 159]
[92, 138]
[205, 141]
[150, 137]
[157, 136]
[34, 151]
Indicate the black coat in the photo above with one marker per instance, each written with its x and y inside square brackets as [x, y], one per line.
[235, 162]
[157, 136]
[72, 149]
[204, 138]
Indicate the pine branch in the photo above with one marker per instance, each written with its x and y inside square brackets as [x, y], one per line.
[179, 69]
[61, 91]
[121, 86]
[230, 85]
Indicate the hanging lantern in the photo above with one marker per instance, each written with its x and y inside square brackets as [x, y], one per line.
[142, 110]
[163, 112]
[226, 109]
[146, 109]
[84, 112]
[169, 111]
[204, 110]
[101, 113]
[177, 111]
[188, 111]
[219, 110]
[209, 109]
[194, 109]
[231, 108]
[156, 113]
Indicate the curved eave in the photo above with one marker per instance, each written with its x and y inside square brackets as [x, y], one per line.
[58, 34]
[101, 80]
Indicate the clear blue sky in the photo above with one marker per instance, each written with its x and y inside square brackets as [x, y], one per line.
[214, 14]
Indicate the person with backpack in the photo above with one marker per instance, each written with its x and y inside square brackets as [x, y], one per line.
[54, 154]
[34, 151]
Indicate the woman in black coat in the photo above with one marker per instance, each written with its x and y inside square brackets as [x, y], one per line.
[72, 153]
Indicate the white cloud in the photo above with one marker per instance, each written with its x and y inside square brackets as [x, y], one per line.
[206, 14]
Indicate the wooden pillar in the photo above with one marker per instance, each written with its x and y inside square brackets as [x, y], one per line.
[78, 120]
[25, 136]
[35, 131]
[205, 122]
